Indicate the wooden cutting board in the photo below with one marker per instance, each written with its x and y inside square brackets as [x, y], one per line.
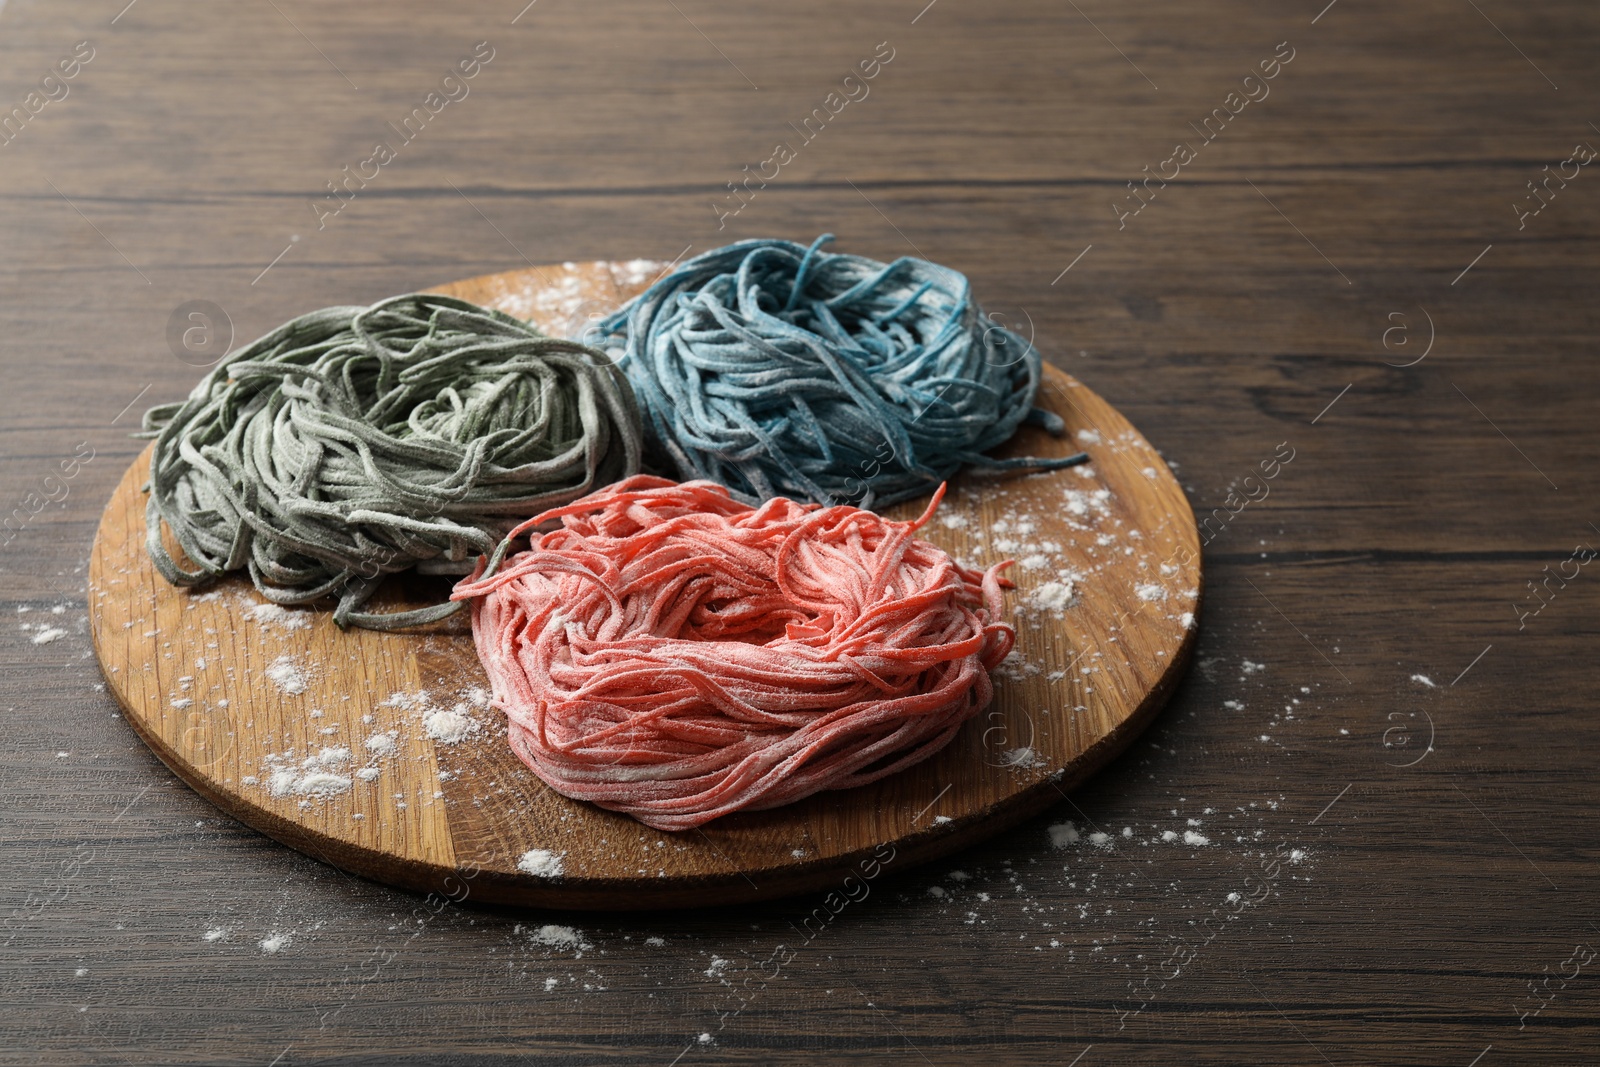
[379, 754]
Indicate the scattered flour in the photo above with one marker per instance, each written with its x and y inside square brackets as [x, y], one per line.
[567, 308]
[1087, 503]
[1015, 667]
[445, 725]
[1423, 678]
[1063, 834]
[275, 942]
[1023, 757]
[562, 937]
[315, 776]
[382, 744]
[1192, 838]
[322, 783]
[449, 727]
[277, 617]
[287, 674]
[639, 271]
[407, 701]
[1053, 596]
[48, 635]
[541, 863]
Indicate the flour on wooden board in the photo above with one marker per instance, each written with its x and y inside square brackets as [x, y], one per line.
[271, 617]
[318, 775]
[1023, 758]
[541, 863]
[569, 306]
[332, 770]
[1063, 543]
[447, 725]
[1054, 597]
[288, 675]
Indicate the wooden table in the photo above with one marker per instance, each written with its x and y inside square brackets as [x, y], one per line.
[1388, 742]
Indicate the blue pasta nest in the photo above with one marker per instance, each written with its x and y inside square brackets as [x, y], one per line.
[781, 370]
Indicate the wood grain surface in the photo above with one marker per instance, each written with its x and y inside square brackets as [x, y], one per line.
[236, 697]
[1284, 287]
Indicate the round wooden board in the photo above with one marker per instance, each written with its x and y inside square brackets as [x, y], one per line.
[236, 695]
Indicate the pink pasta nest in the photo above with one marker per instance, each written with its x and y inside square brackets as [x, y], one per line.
[674, 654]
